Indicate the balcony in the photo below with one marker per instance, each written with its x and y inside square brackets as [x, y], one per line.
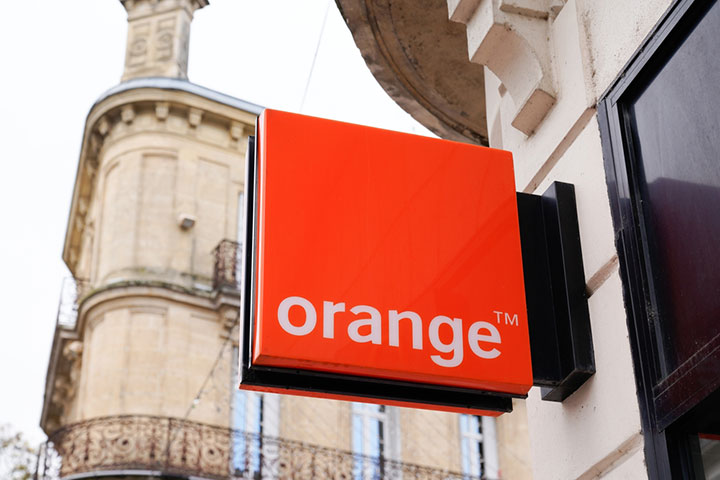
[180, 448]
[226, 273]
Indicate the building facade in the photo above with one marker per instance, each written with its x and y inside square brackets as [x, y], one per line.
[620, 99]
[141, 380]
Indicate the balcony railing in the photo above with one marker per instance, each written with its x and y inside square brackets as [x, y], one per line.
[183, 448]
[227, 265]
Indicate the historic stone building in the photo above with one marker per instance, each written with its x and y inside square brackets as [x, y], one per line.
[141, 375]
[619, 98]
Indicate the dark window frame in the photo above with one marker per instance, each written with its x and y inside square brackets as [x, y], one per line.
[668, 450]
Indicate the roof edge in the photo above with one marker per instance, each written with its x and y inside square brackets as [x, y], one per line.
[181, 85]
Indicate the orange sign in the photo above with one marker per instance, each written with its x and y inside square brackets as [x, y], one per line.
[387, 255]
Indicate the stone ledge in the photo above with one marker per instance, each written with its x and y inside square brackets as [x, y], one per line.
[510, 37]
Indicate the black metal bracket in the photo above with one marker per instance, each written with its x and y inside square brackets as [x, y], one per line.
[558, 318]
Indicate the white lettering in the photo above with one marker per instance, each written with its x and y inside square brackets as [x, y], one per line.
[474, 337]
[375, 335]
[369, 329]
[455, 345]
[394, 328]
[284, 317]
[329, 311]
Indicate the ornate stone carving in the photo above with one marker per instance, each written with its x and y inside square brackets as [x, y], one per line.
[164, 39]
[510, 37]
[127, 114]
[103, 126]
[158, 37]
[195, 117]
[138, 45]
[162, 110]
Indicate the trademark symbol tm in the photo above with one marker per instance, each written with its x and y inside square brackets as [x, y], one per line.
[509, 319]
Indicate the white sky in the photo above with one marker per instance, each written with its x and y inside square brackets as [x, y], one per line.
[57, 57]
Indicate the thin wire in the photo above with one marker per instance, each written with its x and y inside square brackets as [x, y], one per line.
[317, 49]
[437, 428]
[221, 354]
[198, 396]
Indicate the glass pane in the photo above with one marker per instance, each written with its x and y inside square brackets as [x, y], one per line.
[357, 434]
[465, 443]
[368, 437]
[464, 427]
[474, 424]
[710, 451]
[239, 443]
[373, 437]
[676, 124]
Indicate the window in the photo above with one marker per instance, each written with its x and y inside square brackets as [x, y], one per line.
[247, 424]
[478, 448]
[368, 438]
[254, 421]
[659, 125]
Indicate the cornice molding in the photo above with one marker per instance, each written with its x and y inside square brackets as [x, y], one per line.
[122, 104]
[511, 38]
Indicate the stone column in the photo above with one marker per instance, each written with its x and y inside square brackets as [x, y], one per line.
[158, 37]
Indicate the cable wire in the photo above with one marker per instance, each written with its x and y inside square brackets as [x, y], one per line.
[317, 49]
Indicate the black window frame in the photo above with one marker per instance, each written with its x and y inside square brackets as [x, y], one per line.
[668, 449]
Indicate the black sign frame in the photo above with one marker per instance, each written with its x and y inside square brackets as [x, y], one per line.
[351, 386]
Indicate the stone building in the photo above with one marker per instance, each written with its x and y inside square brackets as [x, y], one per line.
[141, 375]
[619, 98]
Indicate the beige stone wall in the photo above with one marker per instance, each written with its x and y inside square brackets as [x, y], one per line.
[152, 157]
[430, 438]
[514, 443]
[596, 432]
[153, 172]
[149, 157]
[148, 352]
[317, 421]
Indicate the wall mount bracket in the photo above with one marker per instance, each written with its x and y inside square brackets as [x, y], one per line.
[558, 318]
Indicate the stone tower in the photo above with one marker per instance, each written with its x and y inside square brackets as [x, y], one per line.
[158, 184]
[140, 379]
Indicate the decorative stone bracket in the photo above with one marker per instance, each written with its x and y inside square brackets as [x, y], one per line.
[510, 37]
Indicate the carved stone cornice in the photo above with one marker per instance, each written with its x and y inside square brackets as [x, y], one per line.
[434, 71]
[511, 38]
[159, 98]
[61, 378]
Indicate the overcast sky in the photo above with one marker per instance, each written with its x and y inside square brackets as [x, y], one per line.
[57, 57]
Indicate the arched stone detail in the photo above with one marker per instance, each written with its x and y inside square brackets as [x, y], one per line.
[418, 57]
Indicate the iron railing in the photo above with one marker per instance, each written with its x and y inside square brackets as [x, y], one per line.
[183, 448]
[227, 265]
